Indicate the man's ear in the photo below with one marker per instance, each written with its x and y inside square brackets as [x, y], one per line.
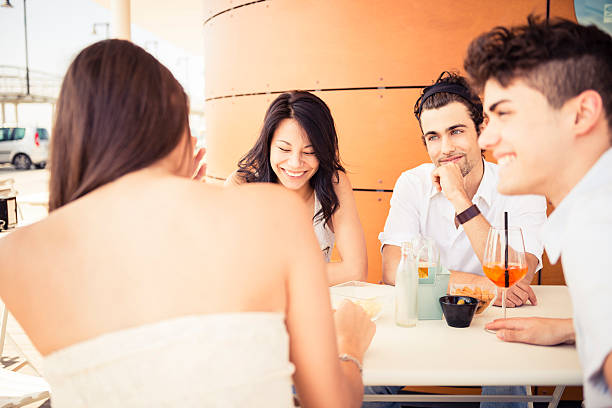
[586, 110]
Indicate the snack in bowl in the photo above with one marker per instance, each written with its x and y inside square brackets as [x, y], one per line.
[371, 297]
[372, 306]
[486, 295]
[458, 310]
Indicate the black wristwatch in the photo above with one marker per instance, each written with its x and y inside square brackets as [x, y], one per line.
[468, 214]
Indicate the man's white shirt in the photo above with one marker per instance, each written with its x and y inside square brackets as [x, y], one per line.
[418, 208]
[579, 231]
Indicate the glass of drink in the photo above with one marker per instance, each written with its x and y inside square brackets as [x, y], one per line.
[428, 255]
[504, 260]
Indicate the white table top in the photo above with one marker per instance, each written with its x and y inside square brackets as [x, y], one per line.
[432, 353]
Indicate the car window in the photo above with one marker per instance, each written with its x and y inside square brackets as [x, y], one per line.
[5, 134]
[43, 134]
[18, 133]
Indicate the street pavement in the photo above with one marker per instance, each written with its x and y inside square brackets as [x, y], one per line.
[27, 181]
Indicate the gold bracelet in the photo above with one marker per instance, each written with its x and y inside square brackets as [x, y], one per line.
[348, 357]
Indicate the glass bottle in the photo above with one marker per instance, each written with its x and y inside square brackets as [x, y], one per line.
[406, 281]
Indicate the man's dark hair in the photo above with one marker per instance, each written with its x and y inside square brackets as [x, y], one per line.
[437, 100]
[559, 58]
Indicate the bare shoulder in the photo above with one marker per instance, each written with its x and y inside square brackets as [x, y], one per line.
[267, 207]
[9, 241]
[234, 179]
[268, 200]
[17, 248]
[343, 182]
[17, 240]
[343, 188]
[273, 221]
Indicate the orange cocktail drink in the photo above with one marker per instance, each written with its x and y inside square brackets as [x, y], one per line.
[504, 261]
[496, 272]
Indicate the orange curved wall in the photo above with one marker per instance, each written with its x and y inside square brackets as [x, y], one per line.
[350, 53]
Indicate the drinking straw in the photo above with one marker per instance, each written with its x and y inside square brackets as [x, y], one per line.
[506, 275]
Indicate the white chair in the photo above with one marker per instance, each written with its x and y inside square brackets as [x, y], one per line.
[17, 390]
[3, 327]
[7, 189]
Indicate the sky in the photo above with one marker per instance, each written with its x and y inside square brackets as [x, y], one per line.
[59, 29]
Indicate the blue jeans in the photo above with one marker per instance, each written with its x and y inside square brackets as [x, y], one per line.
[514, 390]
[506, 390]
[382, 389]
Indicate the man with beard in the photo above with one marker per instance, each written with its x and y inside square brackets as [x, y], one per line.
[454, 201]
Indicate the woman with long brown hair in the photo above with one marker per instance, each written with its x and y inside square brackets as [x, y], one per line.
[297, 148]
[131, 289]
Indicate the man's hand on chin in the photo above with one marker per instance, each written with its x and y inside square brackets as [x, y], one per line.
[448, 179]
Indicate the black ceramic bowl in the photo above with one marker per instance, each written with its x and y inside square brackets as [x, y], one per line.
[458, 310]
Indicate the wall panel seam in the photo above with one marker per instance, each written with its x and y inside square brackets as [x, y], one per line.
[360, 88]
[232, 8]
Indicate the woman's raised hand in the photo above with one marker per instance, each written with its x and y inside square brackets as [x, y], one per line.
[354, 329]
[198, 168]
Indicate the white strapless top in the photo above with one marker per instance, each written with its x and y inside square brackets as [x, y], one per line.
[218, 360]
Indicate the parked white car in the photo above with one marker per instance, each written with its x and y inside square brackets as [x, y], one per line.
[24, 147]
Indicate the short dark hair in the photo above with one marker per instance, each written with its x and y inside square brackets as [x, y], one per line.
[560, 59]
[119, 110]
[315, 118]
[439, 99]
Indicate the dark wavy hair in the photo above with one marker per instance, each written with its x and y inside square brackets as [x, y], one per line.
[440, 99]
[314, 117]
[559, 58]
[119, 110]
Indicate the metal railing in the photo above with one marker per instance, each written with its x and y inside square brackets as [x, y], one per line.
[44, 87]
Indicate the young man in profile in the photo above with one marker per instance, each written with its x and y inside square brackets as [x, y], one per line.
[453, 200]
[548, 95]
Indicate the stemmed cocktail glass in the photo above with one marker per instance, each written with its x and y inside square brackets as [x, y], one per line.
[504, 260]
